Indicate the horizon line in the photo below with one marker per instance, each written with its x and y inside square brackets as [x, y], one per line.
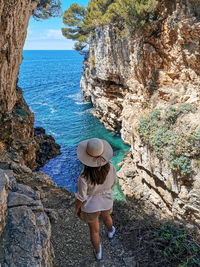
[49, 50]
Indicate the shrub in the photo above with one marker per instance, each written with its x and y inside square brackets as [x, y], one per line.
[157, 130]
[176, 244]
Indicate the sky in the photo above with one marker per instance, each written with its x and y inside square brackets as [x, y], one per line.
[47, 35]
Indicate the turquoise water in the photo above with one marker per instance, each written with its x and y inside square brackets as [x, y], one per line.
[51, 84]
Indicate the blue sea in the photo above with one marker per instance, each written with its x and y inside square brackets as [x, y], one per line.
[51, 84]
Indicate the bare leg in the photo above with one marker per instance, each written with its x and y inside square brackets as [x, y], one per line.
[107, 220]
[94, 234]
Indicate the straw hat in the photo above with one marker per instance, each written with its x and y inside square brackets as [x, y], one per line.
[94, 152]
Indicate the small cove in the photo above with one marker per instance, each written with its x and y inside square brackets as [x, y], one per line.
[51, 84]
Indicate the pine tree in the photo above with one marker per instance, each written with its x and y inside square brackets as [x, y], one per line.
[73, 18]
[46, 9]
[122, 14]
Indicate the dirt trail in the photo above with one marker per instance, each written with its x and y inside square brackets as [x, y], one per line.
[70, 236]
[135, 244]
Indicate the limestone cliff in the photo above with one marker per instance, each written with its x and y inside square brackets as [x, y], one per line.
[24, 226]
[16, 120]
[156, 69]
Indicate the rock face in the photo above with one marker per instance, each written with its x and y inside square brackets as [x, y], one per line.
[47, 147]
[156, 69]
[26, 237]
[3, 200]
[165, 168]
[16, 119]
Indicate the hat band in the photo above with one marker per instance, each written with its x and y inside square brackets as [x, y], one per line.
[99, 159]
[92, 155]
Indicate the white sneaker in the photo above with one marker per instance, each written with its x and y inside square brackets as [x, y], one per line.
[111, 234]
[99, 254]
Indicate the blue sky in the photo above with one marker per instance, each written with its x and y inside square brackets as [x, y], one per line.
[46, 34]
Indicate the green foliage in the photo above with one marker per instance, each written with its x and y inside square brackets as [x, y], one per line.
[79, 46]
[157, 130]
[122, 14]
[184, 164]
[96, 10]
[73, 18]
[176, 245]
[173, 113]
[155, 114]
[131, 13]
[46, 9]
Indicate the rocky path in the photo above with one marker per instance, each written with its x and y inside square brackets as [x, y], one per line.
[41, 217]
[70, 236]
[134, 245]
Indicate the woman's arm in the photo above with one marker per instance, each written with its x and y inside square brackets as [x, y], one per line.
[114, 178]
[81, 195]
[78, 207]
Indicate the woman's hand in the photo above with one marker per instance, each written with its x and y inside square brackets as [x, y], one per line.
[77, 212]
[78, 207]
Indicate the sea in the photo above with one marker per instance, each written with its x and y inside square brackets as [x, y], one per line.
[50, 81]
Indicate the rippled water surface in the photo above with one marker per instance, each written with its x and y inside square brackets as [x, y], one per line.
[51, 84]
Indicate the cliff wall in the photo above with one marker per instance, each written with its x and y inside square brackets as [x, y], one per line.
[130, 80]
[16, 119]
[18, 141]
[25, 228]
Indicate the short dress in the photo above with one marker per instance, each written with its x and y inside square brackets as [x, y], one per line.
[97, 198]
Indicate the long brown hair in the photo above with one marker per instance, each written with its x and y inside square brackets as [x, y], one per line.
[96, 175]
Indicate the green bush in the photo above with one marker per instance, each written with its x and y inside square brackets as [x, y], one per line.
[157, 130]
[132, 14]
[177, 245]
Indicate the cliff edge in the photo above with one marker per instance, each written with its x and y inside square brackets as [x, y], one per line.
[146, 86]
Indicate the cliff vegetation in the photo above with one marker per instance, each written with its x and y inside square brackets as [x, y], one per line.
[124, 15]
[46, 9]
[158, 130]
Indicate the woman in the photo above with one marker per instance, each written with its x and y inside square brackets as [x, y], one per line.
[95, 188]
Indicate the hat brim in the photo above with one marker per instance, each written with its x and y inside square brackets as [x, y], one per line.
[90, 161]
